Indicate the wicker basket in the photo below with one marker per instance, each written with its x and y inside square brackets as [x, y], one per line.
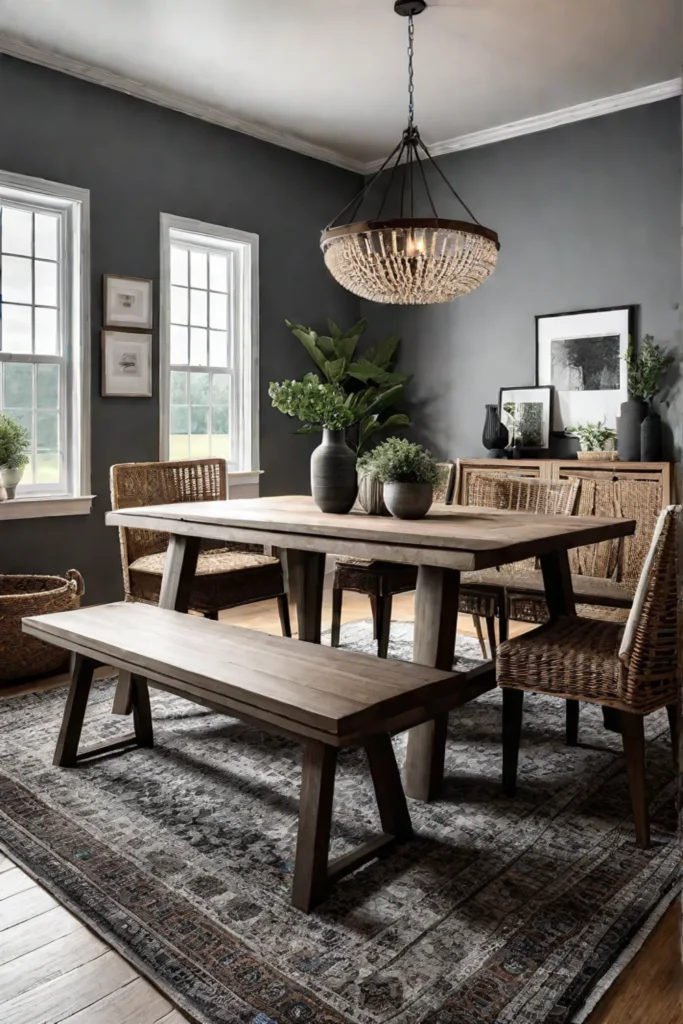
[23, 656]
[598, 456]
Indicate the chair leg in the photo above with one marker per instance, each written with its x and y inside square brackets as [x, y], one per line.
[502, 623]
[491, 630]
[72, 721]
[513, 707]
[283, 609]
[373, 606]
[672, 712]
[480, 636]
[337, 598]
[572, 722]
[315, 821]
[633, 739]
[383, 625]
[213, 616]
[386, 778]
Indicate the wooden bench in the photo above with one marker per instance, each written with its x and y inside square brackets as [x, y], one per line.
[325, 698]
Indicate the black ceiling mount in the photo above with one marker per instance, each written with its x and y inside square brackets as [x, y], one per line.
[409, 8]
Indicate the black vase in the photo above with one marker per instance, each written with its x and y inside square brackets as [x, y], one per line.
[651, 437]
[495, 436]
[334, 484]
[628, 441]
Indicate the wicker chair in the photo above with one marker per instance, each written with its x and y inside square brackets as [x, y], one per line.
[482, 593]
[633, 668]
[381, 580]
[226, 577]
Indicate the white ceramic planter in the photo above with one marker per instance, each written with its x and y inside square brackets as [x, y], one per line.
[408, 501]
[9, 478]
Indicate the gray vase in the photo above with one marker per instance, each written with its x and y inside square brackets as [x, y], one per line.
[651, 437]
[628, 441]
[371, 495]
[408, 500]
[334, 484]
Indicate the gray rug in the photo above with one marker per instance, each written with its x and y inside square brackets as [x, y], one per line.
[501, 911]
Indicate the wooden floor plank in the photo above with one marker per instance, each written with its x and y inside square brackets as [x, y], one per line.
[172, 1018]
[24, 906]
[5, 864]
[59, 999]
[51, 961]
[14, 881]
[138, 1002]
[36, 932]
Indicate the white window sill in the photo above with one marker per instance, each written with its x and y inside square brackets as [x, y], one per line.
[40, 507]
[242, 477]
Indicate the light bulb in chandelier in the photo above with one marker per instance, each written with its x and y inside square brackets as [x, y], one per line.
[409, 260]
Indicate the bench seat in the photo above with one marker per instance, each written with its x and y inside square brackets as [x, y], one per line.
[325, 698]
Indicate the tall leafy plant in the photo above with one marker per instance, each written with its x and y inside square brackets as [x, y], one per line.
[646, 369]
[368, 379]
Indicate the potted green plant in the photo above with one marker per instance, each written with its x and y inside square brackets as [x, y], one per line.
[368, 378]
[640, 426]
[15, 444]
[409, 474]
[592, 439]
[333, 465]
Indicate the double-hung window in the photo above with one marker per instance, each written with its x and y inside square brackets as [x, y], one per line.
[44, 363]
[209, 343]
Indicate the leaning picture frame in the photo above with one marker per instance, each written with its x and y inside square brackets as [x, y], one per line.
[126, 365]
[128, 302]
[527, 414]
[581, 354]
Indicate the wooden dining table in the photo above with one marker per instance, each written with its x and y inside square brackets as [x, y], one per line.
[450, 540]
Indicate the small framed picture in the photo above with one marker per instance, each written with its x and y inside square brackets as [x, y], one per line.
[128, 302]
[527, 414]
[126, 365]
[582, 355]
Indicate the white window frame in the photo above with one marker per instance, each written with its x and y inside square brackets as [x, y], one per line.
[244, 307]
[72, 204]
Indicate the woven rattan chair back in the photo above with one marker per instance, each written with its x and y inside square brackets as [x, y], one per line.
[135, 484]
[621, 559]
[522, 494]
[651, 645]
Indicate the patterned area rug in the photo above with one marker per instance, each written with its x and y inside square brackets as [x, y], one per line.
[501, 910]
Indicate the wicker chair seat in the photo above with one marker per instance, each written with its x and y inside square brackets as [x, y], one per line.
[574, 657]
[210, 563]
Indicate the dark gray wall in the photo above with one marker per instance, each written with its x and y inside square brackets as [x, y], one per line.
[138, 160]
[588, 215]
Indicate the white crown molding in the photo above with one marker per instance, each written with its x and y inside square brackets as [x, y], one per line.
[174, 101]
[14, 47]
[542, 122]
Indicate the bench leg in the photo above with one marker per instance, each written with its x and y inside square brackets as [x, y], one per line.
[66, 751]
[386, 778]
[315, 821]
[142, 712]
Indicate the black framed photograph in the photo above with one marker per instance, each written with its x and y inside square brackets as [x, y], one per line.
[527, 414]
[581, 355]
[128, 302]
[126, 365]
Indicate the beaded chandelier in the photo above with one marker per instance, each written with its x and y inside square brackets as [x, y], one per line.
[409, 260]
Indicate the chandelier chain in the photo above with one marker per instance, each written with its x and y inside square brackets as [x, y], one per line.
[411, 85]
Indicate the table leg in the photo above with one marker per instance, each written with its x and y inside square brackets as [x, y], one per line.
[306, 578]
[436, 623]
[559, 596]
[176, 587]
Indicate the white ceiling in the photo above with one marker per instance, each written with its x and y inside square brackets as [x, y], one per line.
[332, 73]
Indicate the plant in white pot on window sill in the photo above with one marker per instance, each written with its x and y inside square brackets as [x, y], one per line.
[15, 444]
[333, 465]
[409, 474]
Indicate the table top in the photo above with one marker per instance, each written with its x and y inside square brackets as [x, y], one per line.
[451, 536]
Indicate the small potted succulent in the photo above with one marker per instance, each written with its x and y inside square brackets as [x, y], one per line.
[317, 405]
[409, 474]
[15, 445]
[592, 438]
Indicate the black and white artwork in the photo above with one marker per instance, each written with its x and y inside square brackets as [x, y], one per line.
[126, 364]
[526, 413]
[128, 301]
[581, 355]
